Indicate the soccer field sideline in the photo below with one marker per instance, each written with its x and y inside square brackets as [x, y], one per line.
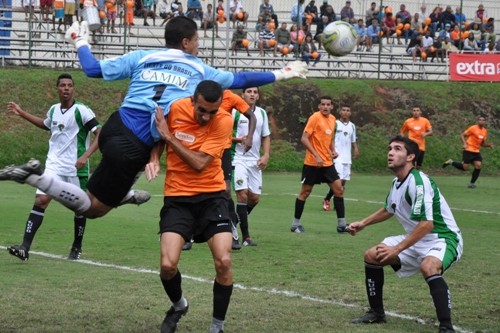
[273, 291]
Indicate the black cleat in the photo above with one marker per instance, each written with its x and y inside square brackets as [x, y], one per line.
[169, 324]
[446, 330]
[187, 246]
[370, 317]
[298, 229]
[19, 251]
[447, 162]
[343, 228]
[75, 253]
[236, 244]
[19, 173]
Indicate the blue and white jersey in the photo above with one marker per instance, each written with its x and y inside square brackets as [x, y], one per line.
[157, 77]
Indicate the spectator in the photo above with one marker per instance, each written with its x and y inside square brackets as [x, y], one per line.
[322, 8]
[347, 14]
[194, 10]
[471, 44]
[415, 24]
[209, 21]
[297, 37]
[372, 35]
[473, 138]
[282, 39]
[497, 46]
[312, 10]
[309, 51]
[414, 45]
[266, 5]
[163, 9]
[447, 47]
[330, 13]
[389, 26]
[481, 13]
[435, 17]
[455, 37]
[404, 18]
[447, 17]
[427, 41]
[437, 50]
[361, 30]
[69, 11]
[29, 9]
[176, 10]
[45, 9]
[477, 30]
[237, 12]
[445, 32]
[423, 13]
[371, 13]
[147, 10]
[267, 40]
[489, 36]
[111, 12]
[460, 17]
[297, 13]
[129, 15]
[319, 30]
[263, 19]
[237, 41]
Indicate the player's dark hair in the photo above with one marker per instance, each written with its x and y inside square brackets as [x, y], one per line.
[210, 90]
[327, 98]
[177, 29]
[410, 145]
[63, 76]
[245, 89]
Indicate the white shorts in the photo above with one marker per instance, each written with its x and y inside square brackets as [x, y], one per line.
[27, 3]
[247, 176]
[412, 257]
[344, 170]
[68, 179]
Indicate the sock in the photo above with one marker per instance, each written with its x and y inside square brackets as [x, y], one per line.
[69, 195]
[475, 175]
[374, 285]
[174, 291]
[338, 203]
[249, 209]
[241, 210]
[79, 230]
[299, 208]
[34, 222]
[222, 296]
[458, 165]
[441, 298]
[129, 195]
[329, 195]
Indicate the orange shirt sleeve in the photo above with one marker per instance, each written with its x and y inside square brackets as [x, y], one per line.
[232, 101]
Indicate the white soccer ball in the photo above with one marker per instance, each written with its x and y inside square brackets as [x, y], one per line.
[339, 38]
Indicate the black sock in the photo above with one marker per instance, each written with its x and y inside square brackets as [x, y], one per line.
[338, 203]
[299, 208]
[458, 165]
[441, 298]
[34, 222]
[249, 209]
[173, 287]
[374, 285]
[241, 210]
[475, 175]
[222, 297]
[329, 195]
[79, 230]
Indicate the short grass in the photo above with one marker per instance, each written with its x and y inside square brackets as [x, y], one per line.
[310, 282]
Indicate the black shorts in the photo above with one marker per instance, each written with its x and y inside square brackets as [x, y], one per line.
[313, 175]
[468, 157]
[123, 157]
[227, 167]
[200, 216]
[420, 157]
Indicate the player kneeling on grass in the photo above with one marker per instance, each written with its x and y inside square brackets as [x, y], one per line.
[432, 244]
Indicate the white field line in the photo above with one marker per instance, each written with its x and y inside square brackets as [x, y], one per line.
[274, 291]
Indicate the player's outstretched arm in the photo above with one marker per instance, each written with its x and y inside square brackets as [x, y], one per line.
[78, 35]
[295, 69]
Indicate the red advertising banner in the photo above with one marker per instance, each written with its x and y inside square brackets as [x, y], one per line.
[474, 67]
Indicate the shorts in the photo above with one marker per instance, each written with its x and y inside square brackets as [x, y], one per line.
[69, 8]
[111, 15]
[343, 170]
[210, 25]
[227, 167]
[123, 157]
[411, 258]
[468, 157]
[247, 176]
[200, 216]
[46, 3]
[27, 3]
[313, 175]
[75, 180]
[420, 157]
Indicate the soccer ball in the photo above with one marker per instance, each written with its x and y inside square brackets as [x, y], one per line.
[339, 38]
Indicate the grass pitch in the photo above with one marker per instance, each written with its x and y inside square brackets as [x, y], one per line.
[310, 282]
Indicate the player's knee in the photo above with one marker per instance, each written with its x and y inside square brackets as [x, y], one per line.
[223, 266]
[167, 270]
[430, 266]
[370, 256]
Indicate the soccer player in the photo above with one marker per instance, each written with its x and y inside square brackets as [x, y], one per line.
[248, 165]
[195, 204]
[70, 124]
[346, 146]
[157, 78]
[318, 167]
[472, 139]
[433, 241]
[417, 128]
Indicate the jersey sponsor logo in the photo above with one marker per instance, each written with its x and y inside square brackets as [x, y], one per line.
[186, 137]
[328, 131]
[60, 127]
[417, 128]
[167, 78]
[418, 199]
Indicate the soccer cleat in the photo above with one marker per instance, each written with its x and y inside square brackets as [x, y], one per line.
[370, 317]
[138, 198]
[21, 172]
[75, 253]
[343, 228]
[249, 242]
[446, 330]
[326, 205]
[236, 245]
[471, 185]
[298, 229]
[19, 251]
[447, 162]
[187, 246]
[169, 324]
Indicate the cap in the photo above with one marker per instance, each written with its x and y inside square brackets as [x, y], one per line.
[447, 25]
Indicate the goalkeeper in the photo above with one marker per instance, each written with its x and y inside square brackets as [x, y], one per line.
[157, 78]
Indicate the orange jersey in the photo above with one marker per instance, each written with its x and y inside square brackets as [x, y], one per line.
[181, 179]
[321, 130]
[415, 128]
[475, 137]
[232, 101]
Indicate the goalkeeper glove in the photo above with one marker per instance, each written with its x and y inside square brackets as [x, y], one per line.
[78, 34]
[294, 69]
